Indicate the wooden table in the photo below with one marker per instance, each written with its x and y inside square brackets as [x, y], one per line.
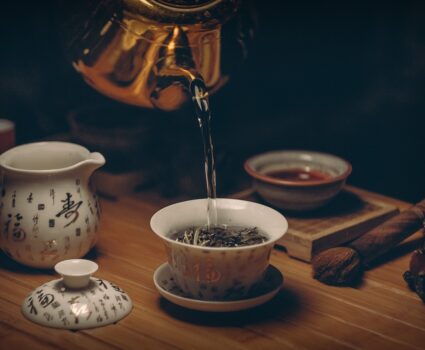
[382, 313]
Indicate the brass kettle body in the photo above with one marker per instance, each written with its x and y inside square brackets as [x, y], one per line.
[146, 52]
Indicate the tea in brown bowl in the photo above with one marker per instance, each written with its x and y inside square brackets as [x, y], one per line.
[297, 180]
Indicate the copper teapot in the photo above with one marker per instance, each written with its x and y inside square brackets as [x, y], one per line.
[146, 52]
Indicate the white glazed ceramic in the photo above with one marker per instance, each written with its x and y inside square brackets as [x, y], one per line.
[293, 195]
[76, 272]
[77, 301]
[48, 209]
[212, 273]
[264, 290]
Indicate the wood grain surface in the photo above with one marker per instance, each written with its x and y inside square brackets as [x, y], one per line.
[348, 216]
[382, 313]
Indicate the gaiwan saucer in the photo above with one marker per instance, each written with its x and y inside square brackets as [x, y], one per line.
[268, 287]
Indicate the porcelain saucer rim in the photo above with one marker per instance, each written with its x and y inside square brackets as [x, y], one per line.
[213, 305]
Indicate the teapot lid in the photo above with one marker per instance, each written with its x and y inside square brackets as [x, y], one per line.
[76, 301]
[188, 4]
[184, 11]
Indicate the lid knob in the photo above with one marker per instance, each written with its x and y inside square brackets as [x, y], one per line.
[76, 272]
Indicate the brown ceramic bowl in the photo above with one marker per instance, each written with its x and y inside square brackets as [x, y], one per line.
[297, 180]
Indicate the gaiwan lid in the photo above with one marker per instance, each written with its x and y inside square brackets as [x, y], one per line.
[77, 300]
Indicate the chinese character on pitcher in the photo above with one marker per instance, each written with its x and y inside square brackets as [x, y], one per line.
[69, 209]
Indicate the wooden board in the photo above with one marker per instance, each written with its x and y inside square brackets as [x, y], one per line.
[348, 216]
[381, 313]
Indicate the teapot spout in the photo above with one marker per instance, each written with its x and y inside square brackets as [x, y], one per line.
[93, 162]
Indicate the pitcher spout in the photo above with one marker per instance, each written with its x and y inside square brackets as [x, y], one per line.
[94, 161]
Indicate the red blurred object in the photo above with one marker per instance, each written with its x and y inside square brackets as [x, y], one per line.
[7, 135]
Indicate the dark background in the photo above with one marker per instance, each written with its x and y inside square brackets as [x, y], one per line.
[341, 77]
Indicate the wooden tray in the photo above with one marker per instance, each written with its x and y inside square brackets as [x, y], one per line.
[348, 216]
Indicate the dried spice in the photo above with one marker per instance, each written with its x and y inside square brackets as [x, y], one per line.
[415, 277]
[220, 236]
[345, 265]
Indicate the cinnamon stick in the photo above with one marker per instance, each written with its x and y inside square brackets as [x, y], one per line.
[387, 235]
[344, 265]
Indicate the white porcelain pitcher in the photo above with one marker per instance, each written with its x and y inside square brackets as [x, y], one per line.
[49, 210]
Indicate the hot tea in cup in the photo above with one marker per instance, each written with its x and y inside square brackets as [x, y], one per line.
[218, 272]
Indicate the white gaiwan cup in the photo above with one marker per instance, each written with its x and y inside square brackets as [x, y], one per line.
[216, 273]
